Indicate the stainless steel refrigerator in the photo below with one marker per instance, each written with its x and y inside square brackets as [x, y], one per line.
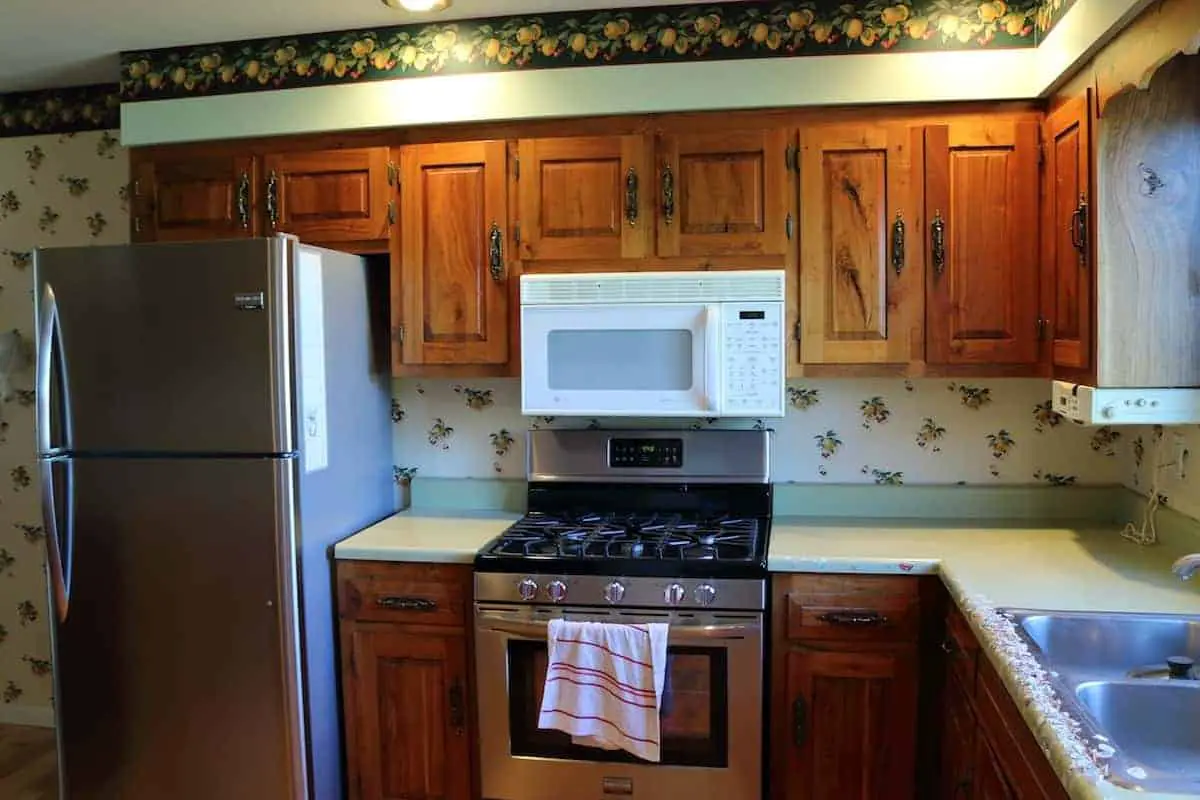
[212, 417]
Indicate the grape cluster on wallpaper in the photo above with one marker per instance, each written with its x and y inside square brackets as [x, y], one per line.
[54, 190]
[883, 431]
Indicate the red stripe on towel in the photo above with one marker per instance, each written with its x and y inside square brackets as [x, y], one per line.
[605, 649]
[588, 672]
[602, 687]
[610, 723]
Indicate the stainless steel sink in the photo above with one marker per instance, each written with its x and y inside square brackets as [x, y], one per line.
[1104, 667]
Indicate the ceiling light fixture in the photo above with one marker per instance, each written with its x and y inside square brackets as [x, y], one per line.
[417, 5]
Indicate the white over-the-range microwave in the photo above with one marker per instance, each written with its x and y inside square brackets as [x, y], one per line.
[653, 344]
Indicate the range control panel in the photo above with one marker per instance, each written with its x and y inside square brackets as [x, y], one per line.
[645, 453]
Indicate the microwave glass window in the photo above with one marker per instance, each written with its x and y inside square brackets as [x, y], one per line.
[620, 360]
[694, 715]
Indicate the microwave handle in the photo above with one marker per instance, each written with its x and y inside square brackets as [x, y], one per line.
[712, 357]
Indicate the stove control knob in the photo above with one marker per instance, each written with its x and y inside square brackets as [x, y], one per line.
[705, 594]
[527, 589]
[674, 594]
[614, 592]
[556, 591]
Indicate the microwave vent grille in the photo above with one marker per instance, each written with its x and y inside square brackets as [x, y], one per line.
[707, 287]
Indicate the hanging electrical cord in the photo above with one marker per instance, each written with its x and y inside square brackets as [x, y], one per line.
[1147, 533]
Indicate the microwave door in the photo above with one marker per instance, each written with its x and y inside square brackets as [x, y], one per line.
[620, 360]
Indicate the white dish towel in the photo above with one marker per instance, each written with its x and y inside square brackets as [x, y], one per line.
[604, 684]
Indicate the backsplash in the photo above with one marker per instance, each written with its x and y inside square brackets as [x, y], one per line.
[884, 431]
[1148, 446]
[58, 190]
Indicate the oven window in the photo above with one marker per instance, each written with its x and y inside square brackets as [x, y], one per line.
[694, 714]
[628, 360]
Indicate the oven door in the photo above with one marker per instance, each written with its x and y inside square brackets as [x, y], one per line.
[711, 712]
[621, 360]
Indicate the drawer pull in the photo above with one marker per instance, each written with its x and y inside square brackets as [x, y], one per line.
[407, 604]
[854, 619]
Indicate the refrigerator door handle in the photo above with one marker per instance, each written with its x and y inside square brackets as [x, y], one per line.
[50, 358]
[58, 566]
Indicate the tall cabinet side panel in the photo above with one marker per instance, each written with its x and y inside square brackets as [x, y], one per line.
[344, 474]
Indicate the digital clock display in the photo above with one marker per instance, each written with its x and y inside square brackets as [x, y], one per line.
[645, 453]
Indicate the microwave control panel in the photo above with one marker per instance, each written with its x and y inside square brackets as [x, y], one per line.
[752, 356]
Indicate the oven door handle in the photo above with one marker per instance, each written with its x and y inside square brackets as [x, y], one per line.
[677, 633]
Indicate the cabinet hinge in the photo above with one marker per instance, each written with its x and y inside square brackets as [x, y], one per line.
[1042, 155]
[788, 225]
[400, 334]
[516, 168]
[391, 212]
[137, 224]
[516, 233]
[1042, 324]
[393, 173]
[796, 331]
[791, 158]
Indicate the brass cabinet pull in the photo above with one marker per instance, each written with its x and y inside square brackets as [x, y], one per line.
[458, 714]
[273, 199]
[1079, 229]
[421, 604]
[853, 619]
[898, 243]
[243, 200]
[496, 252]
[668, 194]
[937, 230]
[631, 197]
[799, 721]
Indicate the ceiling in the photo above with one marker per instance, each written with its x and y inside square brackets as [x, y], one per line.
[52, 43]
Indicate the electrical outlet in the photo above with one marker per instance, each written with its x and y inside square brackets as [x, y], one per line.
[1180, 451]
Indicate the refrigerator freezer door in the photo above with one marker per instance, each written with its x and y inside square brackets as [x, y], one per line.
[169, 348]
[171, 667]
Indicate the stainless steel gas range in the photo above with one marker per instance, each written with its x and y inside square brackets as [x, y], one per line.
[632, 526]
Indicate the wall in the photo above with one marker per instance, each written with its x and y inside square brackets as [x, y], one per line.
[55, 190]
[835, 431]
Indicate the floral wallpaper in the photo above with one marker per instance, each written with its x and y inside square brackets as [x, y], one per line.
[883, 431]
[664, 34]
[80, 108]
[67, 189]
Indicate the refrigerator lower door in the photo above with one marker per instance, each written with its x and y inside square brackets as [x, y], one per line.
[176, 665]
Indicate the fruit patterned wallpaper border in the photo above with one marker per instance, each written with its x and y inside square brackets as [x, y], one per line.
[68, 189]
[882, 431]
[664, 34]
[69, 110]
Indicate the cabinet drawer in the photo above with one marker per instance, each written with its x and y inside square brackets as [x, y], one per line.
[420, 594]
[842, 607]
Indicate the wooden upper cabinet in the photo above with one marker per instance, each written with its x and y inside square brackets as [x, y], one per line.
[408, 713]
[328, 196]
[194, 196]
[450, 291]
[851, 728]
[585, 198]
[981, 224]
[726, 193]
[861, 271]
[1067, 236]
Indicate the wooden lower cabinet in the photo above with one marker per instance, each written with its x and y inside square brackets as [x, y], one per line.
[988, 781]
[406, 686]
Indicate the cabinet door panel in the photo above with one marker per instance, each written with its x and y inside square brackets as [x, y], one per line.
[1066, 234]
[454, 297]
[723, 193]
[329, 195]
[584, 198]
[853, 725]
[957, 767]
[862, 292]
[982, 190]
[408, 722]
[195, 196]
[989, 782]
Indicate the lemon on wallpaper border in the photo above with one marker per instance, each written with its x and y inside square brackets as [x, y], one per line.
[302, 66]
[284, 55]
[759, 32]
[894, 15]
[727, 37]
[382, 59]
[1014, 24]
[154, 81]
[917, 27]
[528, 34]
[549, 47]
[774, 40]
[666, 37]
[505, 55]
[209, 63]
[578, 42]
[636, 41]
[707, 23]
[800, 19]
[362, 47]
[821, 31]
[251, 69]
[612, 30]
[491, 49]
[682, 45]
[408, 54]
[853, 28]
[421, 62]
[227, 73]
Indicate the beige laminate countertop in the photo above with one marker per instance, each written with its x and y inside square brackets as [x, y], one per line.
[984, 564]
